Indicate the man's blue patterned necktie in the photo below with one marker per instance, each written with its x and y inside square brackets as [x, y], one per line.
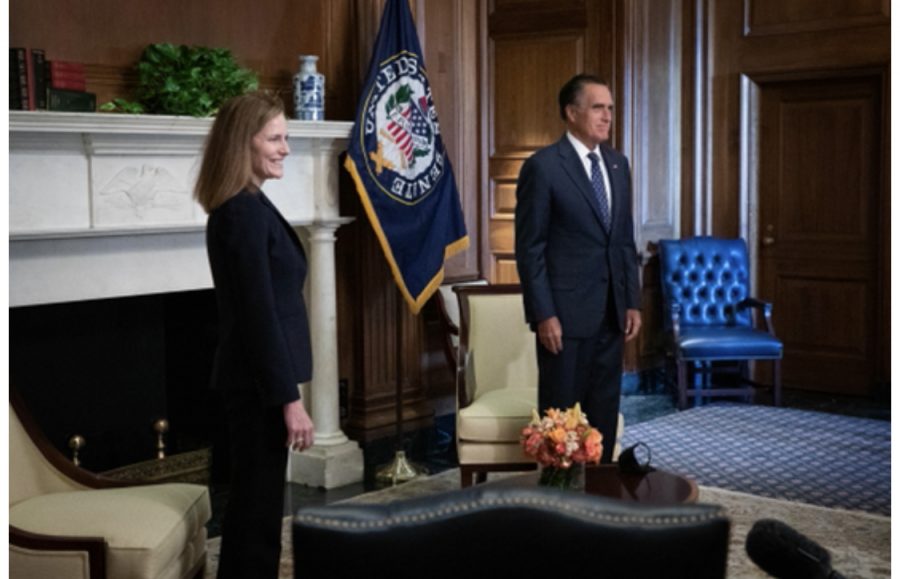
[599, 189]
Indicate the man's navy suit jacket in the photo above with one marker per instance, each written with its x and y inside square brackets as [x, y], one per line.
[258, 268]
[567, 260]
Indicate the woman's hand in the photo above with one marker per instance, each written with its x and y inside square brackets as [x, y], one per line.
[299, 426]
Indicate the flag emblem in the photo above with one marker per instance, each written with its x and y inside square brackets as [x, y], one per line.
[403, 158]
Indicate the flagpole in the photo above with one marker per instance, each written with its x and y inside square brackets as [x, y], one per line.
[400, 470]
[397, 160]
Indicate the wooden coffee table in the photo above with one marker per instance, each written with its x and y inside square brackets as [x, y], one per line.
[655, 488]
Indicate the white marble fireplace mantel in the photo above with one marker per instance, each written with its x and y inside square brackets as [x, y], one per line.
[100, 206]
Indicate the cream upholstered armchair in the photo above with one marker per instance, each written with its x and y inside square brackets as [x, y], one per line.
[496, 381]
[65, 522]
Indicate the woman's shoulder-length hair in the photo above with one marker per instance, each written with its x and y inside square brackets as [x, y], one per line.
[226, 166]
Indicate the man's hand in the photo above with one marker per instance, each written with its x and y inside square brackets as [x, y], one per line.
[632, 324]
[299, 426]
[550, 335]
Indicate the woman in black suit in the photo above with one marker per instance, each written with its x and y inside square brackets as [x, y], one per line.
[258, 268]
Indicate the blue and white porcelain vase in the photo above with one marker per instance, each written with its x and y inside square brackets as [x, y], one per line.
[309, 90]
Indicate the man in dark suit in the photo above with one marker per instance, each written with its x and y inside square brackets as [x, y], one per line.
[577, 259]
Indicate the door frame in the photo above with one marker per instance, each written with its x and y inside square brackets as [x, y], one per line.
[748, 188]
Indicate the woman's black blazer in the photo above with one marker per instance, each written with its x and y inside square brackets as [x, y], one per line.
[258, 268]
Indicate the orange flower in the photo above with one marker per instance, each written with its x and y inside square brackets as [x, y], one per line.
[557, 435]
[561, 438]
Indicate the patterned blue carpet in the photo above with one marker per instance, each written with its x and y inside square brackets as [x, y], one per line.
[797, 455]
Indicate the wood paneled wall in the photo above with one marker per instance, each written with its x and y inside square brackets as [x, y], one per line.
[685, 75]
[530, 50]
[109, 36]
[789, 92]
[449, 36]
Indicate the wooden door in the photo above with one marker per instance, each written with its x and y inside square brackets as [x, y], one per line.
[820, 183]
[532, 48]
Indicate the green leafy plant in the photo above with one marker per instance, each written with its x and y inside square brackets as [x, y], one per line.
[185, 80]
[122, 106]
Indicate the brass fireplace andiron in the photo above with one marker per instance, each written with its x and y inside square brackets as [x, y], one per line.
[76, 443]
[161, 427]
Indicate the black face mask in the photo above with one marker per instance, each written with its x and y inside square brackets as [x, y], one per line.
[635, 459]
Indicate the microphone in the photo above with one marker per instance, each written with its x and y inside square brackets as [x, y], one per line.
[783, 552]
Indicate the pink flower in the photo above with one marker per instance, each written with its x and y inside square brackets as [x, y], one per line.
[533, 442]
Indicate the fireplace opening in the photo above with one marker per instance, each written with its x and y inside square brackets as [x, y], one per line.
[107, 370]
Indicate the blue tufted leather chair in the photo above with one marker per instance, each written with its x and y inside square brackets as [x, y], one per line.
[708, 312]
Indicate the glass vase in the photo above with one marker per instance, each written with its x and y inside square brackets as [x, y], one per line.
[570, 479]
[309, 90]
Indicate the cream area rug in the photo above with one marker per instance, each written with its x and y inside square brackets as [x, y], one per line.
[859, 543]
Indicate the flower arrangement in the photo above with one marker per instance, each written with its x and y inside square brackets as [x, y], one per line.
[559, 441]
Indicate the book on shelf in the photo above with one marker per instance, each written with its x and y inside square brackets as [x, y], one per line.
[71, 100]
[18, 61]
[15, 97]
[65, 67]
[68, 84]
[29, 79]
[64, 74]
[38, 59]
[37, 83]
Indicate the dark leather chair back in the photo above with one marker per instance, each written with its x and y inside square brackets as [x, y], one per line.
[510, 532]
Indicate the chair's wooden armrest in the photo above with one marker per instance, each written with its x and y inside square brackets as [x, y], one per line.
[764, 306]
[464, 379]
[447, 322]
[95, 547]
[675, 312]
[462, 398]
[756, 303]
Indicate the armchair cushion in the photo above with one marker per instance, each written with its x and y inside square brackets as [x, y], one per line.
[498, 453]
[151, 531]
[727, 343]
[497, 415]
